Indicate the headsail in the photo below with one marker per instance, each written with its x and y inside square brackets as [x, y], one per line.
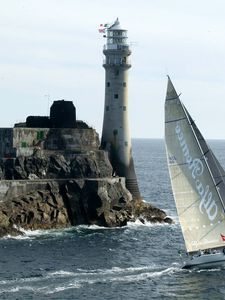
[197, 178]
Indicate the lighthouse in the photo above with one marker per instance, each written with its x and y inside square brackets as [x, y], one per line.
[115, 133]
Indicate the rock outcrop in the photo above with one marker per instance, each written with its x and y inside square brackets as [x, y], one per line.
[59, 204]
[62, 203]
[57, 189]
[91, 164]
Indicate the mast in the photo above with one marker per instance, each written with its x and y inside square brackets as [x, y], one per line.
[207, 150]
[196, 178]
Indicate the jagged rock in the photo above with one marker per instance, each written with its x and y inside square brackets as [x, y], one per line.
[50, 190]
[10, 230]
[145, 211]
[91, 164]
[4, 220]
[35, 210]
[94, 165]
[168, 220]
[72, 202]
[58, 167]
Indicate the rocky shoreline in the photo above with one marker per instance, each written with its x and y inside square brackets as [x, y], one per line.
[61, 188]
[49, 190]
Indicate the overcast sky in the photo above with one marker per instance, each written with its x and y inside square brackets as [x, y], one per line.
[51, 50]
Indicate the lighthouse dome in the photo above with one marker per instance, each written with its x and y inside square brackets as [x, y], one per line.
[115, 26]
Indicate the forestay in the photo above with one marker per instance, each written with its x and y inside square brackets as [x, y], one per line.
[196, 176]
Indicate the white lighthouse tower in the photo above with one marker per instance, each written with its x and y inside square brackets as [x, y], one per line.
[115, 134]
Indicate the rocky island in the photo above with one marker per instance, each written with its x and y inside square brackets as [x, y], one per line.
[54, 175]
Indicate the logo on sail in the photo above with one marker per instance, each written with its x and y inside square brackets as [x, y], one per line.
[196, 168]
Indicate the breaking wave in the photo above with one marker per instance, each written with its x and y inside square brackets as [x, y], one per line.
[63, 280]
[33, 234]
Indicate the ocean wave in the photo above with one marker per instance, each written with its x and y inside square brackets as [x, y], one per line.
[33, 234]
[81, 277]
[61, 280]
[209, 270]
[52, 233]
[18, 288]
[61, 273]
[137, 223]
[115, 275]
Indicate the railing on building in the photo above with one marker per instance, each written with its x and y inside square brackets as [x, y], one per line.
[116, 61]
[116, 47]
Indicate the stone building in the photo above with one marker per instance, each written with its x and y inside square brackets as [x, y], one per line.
[61, 131]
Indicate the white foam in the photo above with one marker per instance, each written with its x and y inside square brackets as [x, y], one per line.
[17, 289]
[64, 287]
[146, 223]
[32, 234]
[83, 277]
[116, 275]
[145, 275]
[95, 227]
[113, 271]
[209, 270]
[61, 274]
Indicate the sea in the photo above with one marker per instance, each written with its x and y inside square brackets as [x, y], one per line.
[139, 261]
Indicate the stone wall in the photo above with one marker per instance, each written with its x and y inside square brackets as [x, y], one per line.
[19, 141]
[6, 143]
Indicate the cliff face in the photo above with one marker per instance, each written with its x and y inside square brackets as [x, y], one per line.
[90, 164]
[59, 188]
[58, 204]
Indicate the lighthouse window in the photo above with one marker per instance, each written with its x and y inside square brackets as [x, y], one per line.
[124, 108]
[116, 96]
[116, 40]
[23, 144]
[117, 33]
[126, 144]
[124, 84]
[108, 84]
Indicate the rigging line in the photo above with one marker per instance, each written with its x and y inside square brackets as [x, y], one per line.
[181, 173]
[200, 148]
[174, 98]
[176, 175]
[192, 204]
[175, 120]
[219, 182]
[220, 221]
[206, 152]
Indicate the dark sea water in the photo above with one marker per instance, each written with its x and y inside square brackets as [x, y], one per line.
[135, 262]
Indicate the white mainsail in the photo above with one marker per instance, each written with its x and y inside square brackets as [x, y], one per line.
[197, 178]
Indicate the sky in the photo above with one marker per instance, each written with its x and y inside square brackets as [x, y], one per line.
[52, 50]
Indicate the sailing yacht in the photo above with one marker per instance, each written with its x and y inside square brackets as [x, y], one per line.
[198, 185]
